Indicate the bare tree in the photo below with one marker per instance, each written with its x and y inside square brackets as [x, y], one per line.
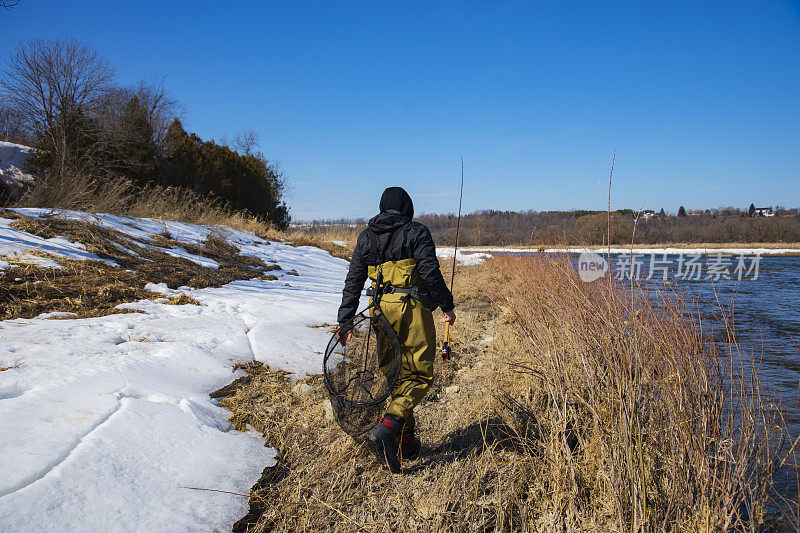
[56, 85]
[8, 4]
[161, 107]
[246, 141]
[12, 126]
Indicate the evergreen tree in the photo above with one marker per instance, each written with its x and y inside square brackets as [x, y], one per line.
[133, 147]
[751, 212]
[681, 211]
[245, 182]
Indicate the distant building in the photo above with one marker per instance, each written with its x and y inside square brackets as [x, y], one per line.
[696, 213]
[764, 212]
[648, 214]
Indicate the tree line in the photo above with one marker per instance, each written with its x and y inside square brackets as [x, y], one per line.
[62, 98]
[582, 227]
[724, 225]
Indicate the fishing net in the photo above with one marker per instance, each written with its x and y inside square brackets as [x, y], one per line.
[360, 375]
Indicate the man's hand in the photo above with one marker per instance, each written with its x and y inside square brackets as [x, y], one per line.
[449, 317]
[344, 336]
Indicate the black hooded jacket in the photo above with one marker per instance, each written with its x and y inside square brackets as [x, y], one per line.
[413, 241]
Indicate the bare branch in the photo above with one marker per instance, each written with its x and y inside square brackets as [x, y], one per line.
[246, 141]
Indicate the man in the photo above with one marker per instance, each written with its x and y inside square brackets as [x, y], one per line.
[404, 252]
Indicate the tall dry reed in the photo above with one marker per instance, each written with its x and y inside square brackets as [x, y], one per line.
[636, 421]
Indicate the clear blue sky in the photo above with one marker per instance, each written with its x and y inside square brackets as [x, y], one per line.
[700, 99]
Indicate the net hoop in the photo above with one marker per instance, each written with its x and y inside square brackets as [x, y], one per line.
[360, 376]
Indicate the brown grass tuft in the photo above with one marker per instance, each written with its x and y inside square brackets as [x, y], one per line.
[320, 237]
[12, 367]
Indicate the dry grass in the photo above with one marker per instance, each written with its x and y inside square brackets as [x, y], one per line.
[578, 407]
[640, 422]
[85, 288]
[321, 237]
[122, 197]
[95, 288]
[12, 367]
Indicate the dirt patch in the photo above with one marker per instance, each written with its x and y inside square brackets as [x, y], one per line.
[95, 288]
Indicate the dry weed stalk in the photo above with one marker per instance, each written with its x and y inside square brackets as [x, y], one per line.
[641, 423]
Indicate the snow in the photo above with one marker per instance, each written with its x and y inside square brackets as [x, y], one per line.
[12, 159]
[57, 314]
[177, 251]
[109, 419]
[467, 259]
[682, 250]
[13, 181]
[161, 288]
[618, 250]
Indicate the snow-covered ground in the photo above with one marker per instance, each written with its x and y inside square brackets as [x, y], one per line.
[12, 159]
[467, 259]
[107, 420]
[18, 244]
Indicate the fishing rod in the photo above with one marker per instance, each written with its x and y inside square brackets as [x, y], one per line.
[446, 344]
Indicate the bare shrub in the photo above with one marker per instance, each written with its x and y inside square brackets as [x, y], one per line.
[70, 190]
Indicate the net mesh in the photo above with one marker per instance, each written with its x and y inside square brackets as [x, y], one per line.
[360, 375]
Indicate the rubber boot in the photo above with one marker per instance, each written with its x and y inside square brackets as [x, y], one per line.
[408, 445]
[382, 440]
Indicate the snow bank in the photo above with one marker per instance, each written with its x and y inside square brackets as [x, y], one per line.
[109, 418]
[617, 250]
[12, 158]
[464, 258]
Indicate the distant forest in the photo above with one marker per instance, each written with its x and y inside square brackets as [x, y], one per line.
[534, 228]
[95, 137]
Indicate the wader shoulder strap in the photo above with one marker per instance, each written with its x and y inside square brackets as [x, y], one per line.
[373, 245]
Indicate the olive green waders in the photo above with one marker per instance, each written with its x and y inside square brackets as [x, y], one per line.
[414, 325]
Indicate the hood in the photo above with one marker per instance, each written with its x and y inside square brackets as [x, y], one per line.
[397, 199]
[396, 209]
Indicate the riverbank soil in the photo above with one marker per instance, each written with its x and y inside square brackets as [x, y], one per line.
[566, 406]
